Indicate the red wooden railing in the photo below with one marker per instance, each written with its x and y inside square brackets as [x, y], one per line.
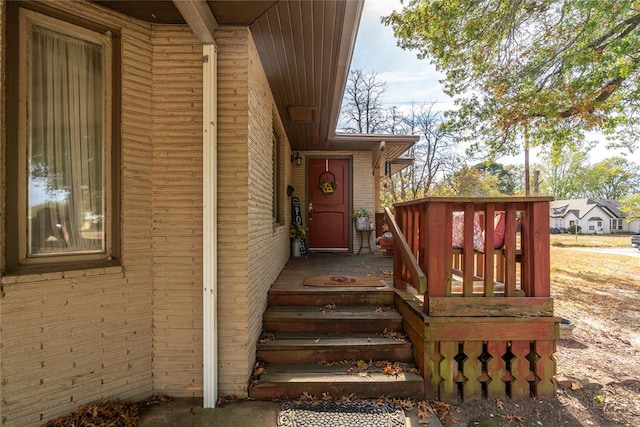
[487, 327]
[518, 268]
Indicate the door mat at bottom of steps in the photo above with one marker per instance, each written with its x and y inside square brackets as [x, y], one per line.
[349, 414]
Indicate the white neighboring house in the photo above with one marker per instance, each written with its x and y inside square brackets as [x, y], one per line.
[594, 216]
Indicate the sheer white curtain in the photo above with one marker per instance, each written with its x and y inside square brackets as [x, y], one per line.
[65, 144]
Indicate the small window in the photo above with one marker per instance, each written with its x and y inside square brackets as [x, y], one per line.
[277, 180]
[64, 136]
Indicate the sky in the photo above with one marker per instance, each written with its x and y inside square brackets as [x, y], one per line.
[410, 79]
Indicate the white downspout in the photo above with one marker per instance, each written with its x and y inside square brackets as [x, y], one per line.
[209, 224]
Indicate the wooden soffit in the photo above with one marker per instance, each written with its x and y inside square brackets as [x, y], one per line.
[305, 47]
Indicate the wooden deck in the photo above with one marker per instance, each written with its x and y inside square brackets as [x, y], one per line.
[479, 313]
[334, 340]
[478, 322]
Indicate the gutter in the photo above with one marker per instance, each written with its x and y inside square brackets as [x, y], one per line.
[201, 21]
[209, 225]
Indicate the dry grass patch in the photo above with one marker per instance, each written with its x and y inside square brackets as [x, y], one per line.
[600, 293]
[591, 240]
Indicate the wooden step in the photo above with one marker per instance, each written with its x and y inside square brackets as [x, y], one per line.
[293, 348]
[341, 319]
[308, 295]
[291, 381]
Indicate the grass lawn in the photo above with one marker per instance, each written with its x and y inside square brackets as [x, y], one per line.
[591, 240]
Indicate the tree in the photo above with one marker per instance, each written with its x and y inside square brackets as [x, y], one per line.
[509, 177]
[433, 155]
[553, 68]
[563, 176]
[469, 182]
[612, 179]
[362, 109]
[630, 206]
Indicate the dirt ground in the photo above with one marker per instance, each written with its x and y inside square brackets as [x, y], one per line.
[599, 367]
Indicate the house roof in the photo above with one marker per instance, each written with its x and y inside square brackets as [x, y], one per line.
[581, 207]
[305, 48]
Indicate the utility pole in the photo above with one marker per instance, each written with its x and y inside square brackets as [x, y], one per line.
[527, 189]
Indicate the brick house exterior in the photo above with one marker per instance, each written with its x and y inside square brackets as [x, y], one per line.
[134, 326]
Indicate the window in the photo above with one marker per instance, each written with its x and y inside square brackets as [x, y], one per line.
[277, 180]
[64, 142]
[615, 224]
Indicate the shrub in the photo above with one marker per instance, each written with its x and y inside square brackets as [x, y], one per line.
[572, 229]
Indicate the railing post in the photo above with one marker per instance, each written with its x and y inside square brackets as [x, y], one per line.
[538, 250]
[398, 265]
[510, 251]
[489, 253]
[438, 249]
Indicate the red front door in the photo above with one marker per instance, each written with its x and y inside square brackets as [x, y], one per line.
[329, 223]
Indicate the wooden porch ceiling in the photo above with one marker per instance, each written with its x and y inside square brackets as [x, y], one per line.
[305, 48]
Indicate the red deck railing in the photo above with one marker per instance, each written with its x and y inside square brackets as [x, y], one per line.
[518, 267]
[482, 265]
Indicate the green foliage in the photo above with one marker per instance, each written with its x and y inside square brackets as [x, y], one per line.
[468, 182]
[630, 206]
[563, 173]
[556, 68]
[612, 179]
[572, 229]
[570, 176]
[510, 178]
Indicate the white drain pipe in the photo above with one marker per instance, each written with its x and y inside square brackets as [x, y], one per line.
[209, 225]
[201, 21]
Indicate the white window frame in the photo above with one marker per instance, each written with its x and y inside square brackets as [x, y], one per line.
[277, 212]
[27, 19]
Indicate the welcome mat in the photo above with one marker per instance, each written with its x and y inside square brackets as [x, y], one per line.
[330, 281]
[330, 413]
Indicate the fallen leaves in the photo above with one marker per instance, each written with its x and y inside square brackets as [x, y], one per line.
[328, 308]
[391, 369]
[444, 411]
[110, 413]
[223, 400]
[258, 369]
[363, 367]
[266, 337]
[396, 335]
[514, 418]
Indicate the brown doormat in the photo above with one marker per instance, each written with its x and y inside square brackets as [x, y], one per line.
[342, 281]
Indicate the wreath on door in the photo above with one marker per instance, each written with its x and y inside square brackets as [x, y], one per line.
[327, 183]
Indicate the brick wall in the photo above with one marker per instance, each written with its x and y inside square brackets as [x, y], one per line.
[69, 338]
[233, 205]
[251, 250]
[177, 211]
[268, 242]
[2, 134]
[125, 332]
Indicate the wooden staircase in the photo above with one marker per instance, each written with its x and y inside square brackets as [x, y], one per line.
[328, 340]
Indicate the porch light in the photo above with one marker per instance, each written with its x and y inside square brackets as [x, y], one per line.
[296, 159]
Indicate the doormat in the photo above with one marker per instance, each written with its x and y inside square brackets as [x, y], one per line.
[330, 413]
[341, 281]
